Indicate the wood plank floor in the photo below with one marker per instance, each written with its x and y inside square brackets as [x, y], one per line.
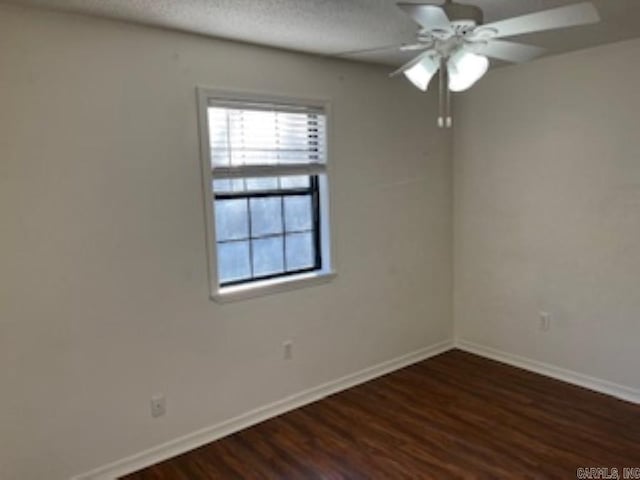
[455, 416]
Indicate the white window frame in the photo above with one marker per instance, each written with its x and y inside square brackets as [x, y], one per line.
[205, 97]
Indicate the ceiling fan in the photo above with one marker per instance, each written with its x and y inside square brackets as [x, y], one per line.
[454, 42]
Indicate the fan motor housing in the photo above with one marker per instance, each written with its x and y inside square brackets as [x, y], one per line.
[461, 12]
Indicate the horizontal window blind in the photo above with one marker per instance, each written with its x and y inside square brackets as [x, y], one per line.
[260, 139]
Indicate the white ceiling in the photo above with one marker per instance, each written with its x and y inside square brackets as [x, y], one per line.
[331, 27]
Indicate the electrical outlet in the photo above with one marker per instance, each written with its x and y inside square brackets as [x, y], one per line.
[545, 321]
[158, 405]
[287, 347]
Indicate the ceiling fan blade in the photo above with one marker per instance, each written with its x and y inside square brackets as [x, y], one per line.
[427, 16]
[411, 63]
[370, 50]
[405, 47]
[415, 46]
[508, 51]
[569, 16]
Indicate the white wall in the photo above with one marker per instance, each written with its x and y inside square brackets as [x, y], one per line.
[103, 285]
[547, 211]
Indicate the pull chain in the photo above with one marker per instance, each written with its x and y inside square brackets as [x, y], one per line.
[444, 115]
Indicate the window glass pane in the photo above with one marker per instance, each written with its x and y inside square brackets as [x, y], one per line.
[231, 185]
[233, 261]
[294, 182]
[220, 186]
[268, 256]
[264, 183]
[300, 251]
[228, 185]
[298, 213]
[266, 216]
[232, 220]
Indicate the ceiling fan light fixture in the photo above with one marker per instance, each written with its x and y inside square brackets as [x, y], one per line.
[422, 73]
[465, 69]
[456, 37]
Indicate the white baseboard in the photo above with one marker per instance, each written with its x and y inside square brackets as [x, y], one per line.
[202, 437]
[603, 386]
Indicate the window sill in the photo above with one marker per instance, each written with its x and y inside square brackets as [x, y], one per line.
[268, 287]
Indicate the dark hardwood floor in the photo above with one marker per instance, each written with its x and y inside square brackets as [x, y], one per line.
[455, 416]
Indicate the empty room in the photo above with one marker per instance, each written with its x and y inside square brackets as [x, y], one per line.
[304, 239]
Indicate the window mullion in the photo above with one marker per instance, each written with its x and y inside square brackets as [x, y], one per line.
[284, 234]
[315, 199]
[263, 193]
[250, 237]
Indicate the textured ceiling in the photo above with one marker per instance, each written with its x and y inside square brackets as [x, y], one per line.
[331, 27]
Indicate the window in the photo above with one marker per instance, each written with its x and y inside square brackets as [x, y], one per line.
[264, 169]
